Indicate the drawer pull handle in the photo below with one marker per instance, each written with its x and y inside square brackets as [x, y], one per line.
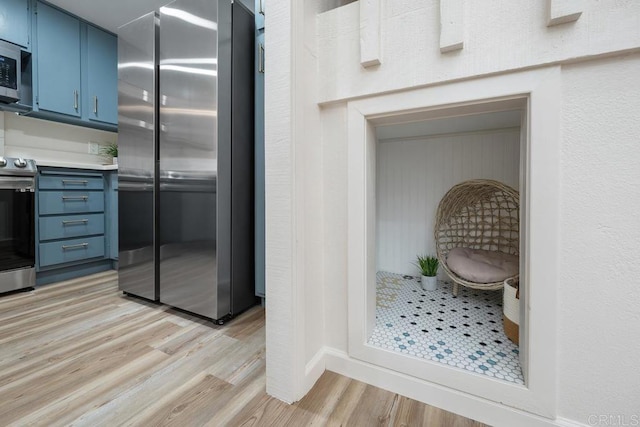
[75, 221]
[70, 198]
[75, 181]
[78, 246]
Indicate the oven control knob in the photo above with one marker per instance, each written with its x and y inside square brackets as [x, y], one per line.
[3, 162]
[20, 163]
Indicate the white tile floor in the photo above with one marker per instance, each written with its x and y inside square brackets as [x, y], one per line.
[464, 331]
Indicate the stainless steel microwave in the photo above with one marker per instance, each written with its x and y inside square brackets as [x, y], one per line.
[10, 72]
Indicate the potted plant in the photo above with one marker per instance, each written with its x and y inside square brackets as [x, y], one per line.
[428, 266]
[111, 151]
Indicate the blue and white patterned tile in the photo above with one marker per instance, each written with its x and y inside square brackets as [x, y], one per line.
[463, 331]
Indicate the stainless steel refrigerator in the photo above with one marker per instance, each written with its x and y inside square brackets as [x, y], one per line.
[186, 210]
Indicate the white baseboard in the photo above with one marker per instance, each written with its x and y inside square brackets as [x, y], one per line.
[469, 406]
[314, 369]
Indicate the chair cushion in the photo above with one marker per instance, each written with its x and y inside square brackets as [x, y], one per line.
[480, 266]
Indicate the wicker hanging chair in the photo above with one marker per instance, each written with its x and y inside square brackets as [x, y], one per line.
[481, 216]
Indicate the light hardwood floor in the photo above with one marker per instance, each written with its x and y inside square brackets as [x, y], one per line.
[80, 353]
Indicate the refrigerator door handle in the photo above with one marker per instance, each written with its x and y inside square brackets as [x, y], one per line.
[134, 186]
[261, 58]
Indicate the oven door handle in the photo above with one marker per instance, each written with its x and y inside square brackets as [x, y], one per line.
[23, 183]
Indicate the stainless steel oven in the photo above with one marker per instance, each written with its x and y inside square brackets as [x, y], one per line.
[17, 226]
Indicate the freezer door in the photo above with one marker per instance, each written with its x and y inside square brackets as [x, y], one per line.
[137, 144]
[189, 158]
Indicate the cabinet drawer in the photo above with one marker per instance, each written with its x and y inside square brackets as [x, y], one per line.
[69, 202]
[57, 182]
[71, 250]
[68, 226]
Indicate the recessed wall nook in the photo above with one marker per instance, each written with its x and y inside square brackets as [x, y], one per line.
[405, 152]
[416, 164]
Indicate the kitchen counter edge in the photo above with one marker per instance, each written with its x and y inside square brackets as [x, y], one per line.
[74, 165]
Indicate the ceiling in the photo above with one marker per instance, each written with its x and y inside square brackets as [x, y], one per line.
[448, 125]
[109, 14]
[113, 13]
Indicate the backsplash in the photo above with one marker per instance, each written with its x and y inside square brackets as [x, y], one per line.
[44, 140]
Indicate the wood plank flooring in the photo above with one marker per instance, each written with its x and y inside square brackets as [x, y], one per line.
[80, 353]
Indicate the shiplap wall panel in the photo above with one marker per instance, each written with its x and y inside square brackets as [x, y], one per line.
[413, 175]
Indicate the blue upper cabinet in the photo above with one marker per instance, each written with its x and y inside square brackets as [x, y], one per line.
[259, 14]
[58, 62]
[102, 75]
[75, 75]
[14, 22]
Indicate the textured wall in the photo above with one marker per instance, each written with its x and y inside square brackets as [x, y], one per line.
[498, 35]
[597, 370]
[283, 355]
[600, 240]
[412, 177]
[294, 227]
[600, 233]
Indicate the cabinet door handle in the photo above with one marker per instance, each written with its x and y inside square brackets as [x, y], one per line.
[261, 58]
[75, 221]
[75, 182]
[262, 7]
[95, 105]
[78, 246]
[69, 198]
[75, 100]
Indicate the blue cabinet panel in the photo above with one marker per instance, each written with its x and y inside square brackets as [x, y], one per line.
[69, 226]
[259, 13]
[102, 75]
[259, 166]
[111, 197]
[58, 61]
[71, 250]
[67, 202]
[57, 182]
[14, 22]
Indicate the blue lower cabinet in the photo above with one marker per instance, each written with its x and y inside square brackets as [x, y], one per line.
[70, 226]
[75, 218]
[58, 182]
[65, 202]
[71, 250]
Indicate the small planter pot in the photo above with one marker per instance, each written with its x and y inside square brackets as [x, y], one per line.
[511, 309]
[115, 160]
[429, 283]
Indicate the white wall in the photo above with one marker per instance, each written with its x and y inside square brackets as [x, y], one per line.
[498, 35]
[599, 241]
[46, 140]
[599, 321]
[414, 174]
[294, 195]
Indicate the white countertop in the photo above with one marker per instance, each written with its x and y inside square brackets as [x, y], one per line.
[74, 165]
